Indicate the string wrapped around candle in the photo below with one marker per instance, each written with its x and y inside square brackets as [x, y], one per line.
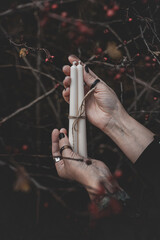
[77, 120]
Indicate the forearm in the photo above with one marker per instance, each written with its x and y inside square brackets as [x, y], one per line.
[130, 136]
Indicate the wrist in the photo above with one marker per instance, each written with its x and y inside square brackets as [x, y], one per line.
[119, 120]
[130, 136]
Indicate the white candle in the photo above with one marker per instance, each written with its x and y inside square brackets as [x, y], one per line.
[82, 136]
[73, 107]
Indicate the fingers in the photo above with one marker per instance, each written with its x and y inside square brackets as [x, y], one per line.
[89, 76]
[66, 91]
[63, 130]
[67, 82]
[63, 140]
[55, 143]
[66, 70]
[55, 146]
[66, 94]
[73, 58]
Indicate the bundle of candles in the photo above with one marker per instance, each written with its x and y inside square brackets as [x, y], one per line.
[77, 121]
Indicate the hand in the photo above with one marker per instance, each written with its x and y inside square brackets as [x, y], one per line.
[103, 109]
[90, 176]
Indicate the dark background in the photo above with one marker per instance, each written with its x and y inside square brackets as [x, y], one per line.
[34, 202]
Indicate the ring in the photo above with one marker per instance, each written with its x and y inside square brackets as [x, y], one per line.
[65, 147]
[56, 159]
[94, 83]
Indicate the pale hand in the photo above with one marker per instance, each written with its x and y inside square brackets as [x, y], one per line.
[103, 108]
[91, 176]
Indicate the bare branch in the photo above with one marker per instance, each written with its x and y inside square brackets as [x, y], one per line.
[29, 105]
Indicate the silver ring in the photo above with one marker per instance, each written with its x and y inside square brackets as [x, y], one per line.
[56, 159]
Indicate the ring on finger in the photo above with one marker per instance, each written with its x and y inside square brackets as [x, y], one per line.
[65, 147]
[94, 83]
[57, 159]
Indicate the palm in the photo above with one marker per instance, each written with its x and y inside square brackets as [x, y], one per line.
[100, 105]
[88, 175]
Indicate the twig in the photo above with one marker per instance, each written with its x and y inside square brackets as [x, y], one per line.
[144, 90]
[36, 77]
[33, 69]
[34, 4]
[29, 105]
[148, 48]
[146, 85]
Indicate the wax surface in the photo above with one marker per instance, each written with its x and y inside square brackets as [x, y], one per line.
[73, 107]
[82, 138]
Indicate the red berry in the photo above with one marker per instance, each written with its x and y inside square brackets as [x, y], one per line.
[110, 13]
[138, 54]
[105, 7]
[98, 50]
[148, 65]
[115, 7]
[130, 19]
[54, 6]
[105, 58]
[154, 59]
[147, 58]
[118, 173]
[117, 77]
[24, 147]
[155, 98]
[64, 14]
[106, 31]
[122, 70]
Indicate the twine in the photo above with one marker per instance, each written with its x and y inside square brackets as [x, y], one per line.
[81, 111]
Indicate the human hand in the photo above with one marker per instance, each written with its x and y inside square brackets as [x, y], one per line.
[90, 175]
[103, 108]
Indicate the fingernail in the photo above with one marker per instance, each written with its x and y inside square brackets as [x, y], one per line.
[61, 135]
[72, 55]
[87, 69]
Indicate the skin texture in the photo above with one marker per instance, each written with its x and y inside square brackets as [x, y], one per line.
[130, 136]
[88, 175]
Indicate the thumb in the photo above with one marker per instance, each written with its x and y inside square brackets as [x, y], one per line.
[64, 143]
[89, 75]
[73, 58]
